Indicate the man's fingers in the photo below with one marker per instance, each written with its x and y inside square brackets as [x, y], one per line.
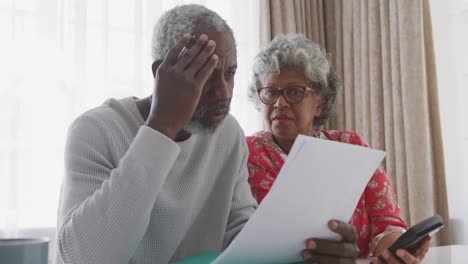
[312, 257]
[201, 59]
[171, 57]
[192, 52]
[332, 248]
[205, 72]
[347, 231]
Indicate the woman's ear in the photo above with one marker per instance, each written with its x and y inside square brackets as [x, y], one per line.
[319, 108]
[155, 67]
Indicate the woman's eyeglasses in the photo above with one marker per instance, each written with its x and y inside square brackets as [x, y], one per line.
[292, 94]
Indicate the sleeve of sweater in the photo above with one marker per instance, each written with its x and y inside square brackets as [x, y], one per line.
[243, 203]
[104, 211]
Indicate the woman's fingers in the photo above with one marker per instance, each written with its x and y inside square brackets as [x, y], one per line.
[407, 257]
[389, 258]
[423, 248]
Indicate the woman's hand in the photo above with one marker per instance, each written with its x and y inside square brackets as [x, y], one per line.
[329, 251]
[419, 251]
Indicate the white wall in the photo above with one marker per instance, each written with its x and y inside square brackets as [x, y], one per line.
[450, 21]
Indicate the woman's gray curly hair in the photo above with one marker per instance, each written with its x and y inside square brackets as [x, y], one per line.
[297, 52]
[179, 20]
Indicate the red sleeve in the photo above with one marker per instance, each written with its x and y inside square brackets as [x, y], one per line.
[381, 204]
[263, 166]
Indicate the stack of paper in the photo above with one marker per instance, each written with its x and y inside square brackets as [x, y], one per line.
[320, 180]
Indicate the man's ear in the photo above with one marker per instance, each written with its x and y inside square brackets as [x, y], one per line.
[155, 67]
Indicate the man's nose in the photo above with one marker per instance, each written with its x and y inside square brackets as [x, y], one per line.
[221, 90]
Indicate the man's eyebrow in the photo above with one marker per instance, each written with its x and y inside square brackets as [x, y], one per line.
[233, 67]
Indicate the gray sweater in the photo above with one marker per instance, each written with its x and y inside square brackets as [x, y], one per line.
[132, 195]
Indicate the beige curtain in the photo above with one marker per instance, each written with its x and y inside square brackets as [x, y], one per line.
[383, 51]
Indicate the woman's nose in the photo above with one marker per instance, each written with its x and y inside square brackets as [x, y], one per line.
[281, 102]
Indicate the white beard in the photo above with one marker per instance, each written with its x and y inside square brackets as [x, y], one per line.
[194, 127]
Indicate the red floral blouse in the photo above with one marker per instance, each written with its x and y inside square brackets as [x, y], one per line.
[377, 212]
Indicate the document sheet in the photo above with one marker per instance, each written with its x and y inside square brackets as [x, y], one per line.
[320, 180]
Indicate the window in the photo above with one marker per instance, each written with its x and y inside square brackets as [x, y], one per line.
[61, 58]
[449, 21]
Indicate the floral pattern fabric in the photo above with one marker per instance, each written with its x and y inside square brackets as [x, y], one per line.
[377, 212]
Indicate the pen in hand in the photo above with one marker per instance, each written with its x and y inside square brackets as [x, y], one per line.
[187, 47]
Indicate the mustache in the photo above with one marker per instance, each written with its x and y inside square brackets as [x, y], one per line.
[209, 107]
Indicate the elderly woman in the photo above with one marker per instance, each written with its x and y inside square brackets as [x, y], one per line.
[295, 87]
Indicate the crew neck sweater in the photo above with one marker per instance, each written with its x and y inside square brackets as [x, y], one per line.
[132, 195]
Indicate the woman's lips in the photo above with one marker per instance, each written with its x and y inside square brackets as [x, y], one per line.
[282, 118]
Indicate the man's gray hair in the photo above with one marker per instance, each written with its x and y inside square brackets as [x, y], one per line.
[179, 20]
[297, 52]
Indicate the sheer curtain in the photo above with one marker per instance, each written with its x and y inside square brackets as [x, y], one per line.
[62, 57]
[389, 93]
[450, 21]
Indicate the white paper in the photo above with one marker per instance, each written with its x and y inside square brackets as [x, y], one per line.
[320, 180]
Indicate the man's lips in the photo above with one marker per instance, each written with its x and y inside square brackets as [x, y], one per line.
[217, 115]
[221, 111]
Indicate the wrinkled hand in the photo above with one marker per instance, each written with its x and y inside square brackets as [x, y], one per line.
[179, 85]
[418, 253]
[328, 251]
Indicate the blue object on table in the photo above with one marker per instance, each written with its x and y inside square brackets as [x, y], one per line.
[206, 258]
[24, 251]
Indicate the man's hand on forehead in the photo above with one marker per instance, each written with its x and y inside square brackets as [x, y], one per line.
[179, 82]
[187, 46]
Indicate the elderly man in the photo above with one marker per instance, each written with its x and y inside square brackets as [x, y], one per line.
[159, 179]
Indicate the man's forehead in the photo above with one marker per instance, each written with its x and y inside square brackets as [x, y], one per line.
[227, 51]
[225, 46]
[226, 37]
[225, 43]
